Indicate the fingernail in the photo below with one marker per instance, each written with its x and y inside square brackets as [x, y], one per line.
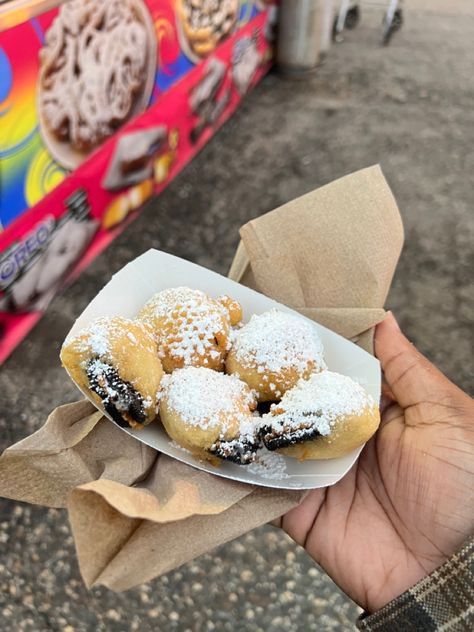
[392, 321]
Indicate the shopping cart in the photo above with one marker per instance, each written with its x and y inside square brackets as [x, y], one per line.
[349, 16]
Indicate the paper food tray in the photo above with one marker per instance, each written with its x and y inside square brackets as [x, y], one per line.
[154, 271]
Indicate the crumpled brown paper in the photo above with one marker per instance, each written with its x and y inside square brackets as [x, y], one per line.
[135, 514]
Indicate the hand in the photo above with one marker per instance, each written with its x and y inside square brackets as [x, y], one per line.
[408, 503]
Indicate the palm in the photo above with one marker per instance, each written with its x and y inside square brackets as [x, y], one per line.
[402, 510]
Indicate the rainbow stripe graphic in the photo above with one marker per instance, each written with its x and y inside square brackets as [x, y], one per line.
[27, 173]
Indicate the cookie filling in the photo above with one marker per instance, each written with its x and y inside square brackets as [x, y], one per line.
[121, 401]
[241, 450]
[273, 439]
[265, 407]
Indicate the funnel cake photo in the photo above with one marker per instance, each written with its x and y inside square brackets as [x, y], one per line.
[323, 417]
[273, 351]
[209, 414]
[115, 361]
[203, 24]
[191, 328]
[96, 71]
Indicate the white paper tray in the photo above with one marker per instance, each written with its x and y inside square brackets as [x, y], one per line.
[153, 271]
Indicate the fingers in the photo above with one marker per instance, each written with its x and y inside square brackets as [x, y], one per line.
[386, 397]
[410, 377]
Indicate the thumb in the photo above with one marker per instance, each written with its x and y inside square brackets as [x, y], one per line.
[409, 375]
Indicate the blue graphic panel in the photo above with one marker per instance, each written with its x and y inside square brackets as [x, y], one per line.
[6, 78]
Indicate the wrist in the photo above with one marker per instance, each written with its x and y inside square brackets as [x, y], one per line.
[441, 599]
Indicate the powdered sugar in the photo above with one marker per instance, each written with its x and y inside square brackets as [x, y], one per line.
[177, 446]
[147, 402]
[97, 370]
[192, 325]
[276, 340]
[167, 300]
[203, 397]
[316, 403]
[131, 337]
[269, 465]
[95, 339]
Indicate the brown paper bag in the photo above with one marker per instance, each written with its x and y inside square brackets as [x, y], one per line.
[134, 513]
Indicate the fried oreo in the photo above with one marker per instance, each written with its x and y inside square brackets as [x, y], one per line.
[115, 361]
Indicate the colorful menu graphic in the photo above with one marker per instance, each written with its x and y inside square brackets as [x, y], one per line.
[90, 128]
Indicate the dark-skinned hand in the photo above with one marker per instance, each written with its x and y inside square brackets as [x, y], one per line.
[408, 502]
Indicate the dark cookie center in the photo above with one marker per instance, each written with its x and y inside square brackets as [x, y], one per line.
[292, 434]
[264, 407]
[119, 397]
[239, 451]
